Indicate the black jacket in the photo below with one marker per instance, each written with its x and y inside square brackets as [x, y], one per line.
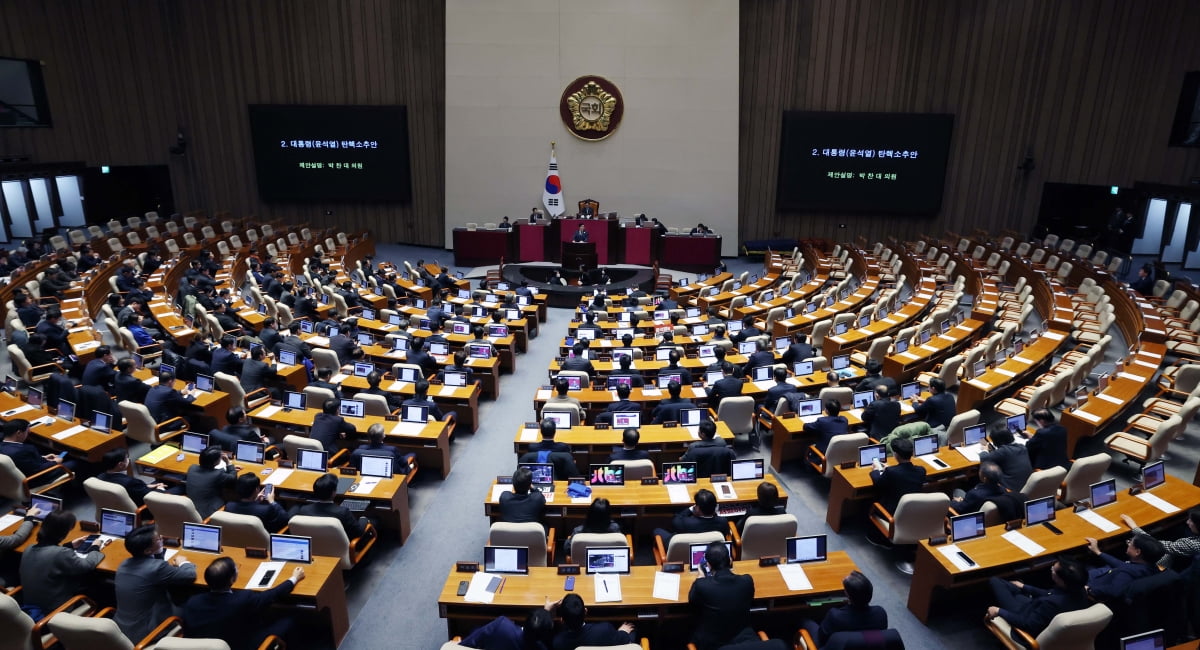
[721, 605]
[1048, 448]
[895, 481]
[881, 416]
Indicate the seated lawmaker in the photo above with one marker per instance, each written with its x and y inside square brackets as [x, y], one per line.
[324, 489]
[628, 449]
[523, 504]
[858, 614]
[237, 617]
[1031, 609]
[254, 501]
[710, 453]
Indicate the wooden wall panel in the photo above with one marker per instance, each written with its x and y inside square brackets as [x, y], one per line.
[123, 74]
[1088, 86]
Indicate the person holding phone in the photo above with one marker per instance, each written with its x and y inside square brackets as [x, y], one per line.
[721, 602]
[258, 500]
[52, 572]
[143, 580]
[236, 616]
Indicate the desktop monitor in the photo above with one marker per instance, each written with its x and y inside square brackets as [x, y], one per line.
[66, 410]
[101, 421]
[194, 442]
[691, 417]
[286, 358]
[312, 460]
[681, 472]
[761, 373]
[506, 559]
[116, 523]
[1016, 424]
[561, 419]
[697, 551]
[863, 397]
[1103, 492]
[249, 452]
[1154, 475]
[352, 408]
[294, 400]
[607, 475]
[841, 362]
[363, 369]
[910, 390]
[967, 527]
[974, 434]
[543, 473]
[808, 407]
[1152, 640]
[34, 397]
[291, 548]
[810, 548]
[414, 413]
[747, 470]
[1039, 511]
[201, 537]
[627, 420]
[608, 559]
[454, 378]
[868, 454]
[46, 504]
[925, 445]
[802, 368]
[378, 466]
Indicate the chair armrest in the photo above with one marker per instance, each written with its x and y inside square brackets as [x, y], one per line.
[34, 370]
[660, 552]
[140, 515]
[736, 537]
[257, 397]
[12, 592]
[107, 612]
[163, 437]
[881, 511]
[341, 457]
[645, 643]
[56, 467]
[172, 626]
[712, 415]
[275, 643]
[39, 628]
[550, 547]
[804, 641]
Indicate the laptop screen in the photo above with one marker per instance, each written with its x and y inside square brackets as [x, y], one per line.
[1103, 493]
[707, 351]
[116, 523]
[506, 559]
[497, 330]
[713, 376]
[1152, 640]
[454, 378]
[863, 398]
[363, 369]
[312, 460]
[205, 383]
[609, 559]
[195, 442]
[166, 368]
[806, 549]
[910, 390]
[974, 434]
[607, 475]
[808, 407]
[352, 408]
[249, 452]
[841, 362]
[802, 368]
[679, 472]
[101, 421]
[627, 420]
[34, 396]
[294, 400]
[479, 351]
[380, 466]
[291, 548]
[924, 336]
[201, 537]
[762, 373]
[365, 338]
[46, 504]
[543, 473]
[979, 369]
[574, 382]
[394, 319]
[1016, 424]
[66, 410]
[1154, 475]
[691, 417]
[561, 419]
[965, 527]
[746, 470]
[697, 551]
[1039, 510]
[867, 454]
[287, 358]
[925, 445]
[588, 334]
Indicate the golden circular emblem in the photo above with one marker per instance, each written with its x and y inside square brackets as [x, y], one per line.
[591, 108]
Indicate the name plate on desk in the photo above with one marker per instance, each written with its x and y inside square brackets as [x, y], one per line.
[466, 567]
[650, 480]
[568, 569]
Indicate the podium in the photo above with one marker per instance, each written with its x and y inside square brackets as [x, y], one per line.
[531, 241]
[576, 254]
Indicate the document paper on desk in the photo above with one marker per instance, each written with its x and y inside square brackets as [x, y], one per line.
[678, 493]
[1096, 520]
[408, 428]
[794, 577]
[950, 551]
[8, 520]
[1157, 502]
[446, 391]
[1018, 539]
[483, 588]
[20, 409]
[268, 412]
[63, 435]
[970, 452]
[666, 586]
[608, 587]
[162, 453]
[366, 485]
[497, 490]
[528, 435]
[278, 476]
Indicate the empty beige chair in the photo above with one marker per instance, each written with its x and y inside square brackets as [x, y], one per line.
[171, 512]
[1044, 483]
[955, 430]
[531, 535]
[841, 449]
[235, 242]
[323, 358]
[140, 426]
[182, 643]
[88, 633]
[1075, 630]
[172, 247]
[877, 351]
[189, 239]
[292, 443]
[765, 535]
[16, 487]
[77, 237]
[375, 405]
[738, 414]
[106, 494]
[241, 530]
[208, 233]
[576, 412]
[1143, 451]
[230, 384]
[115, 226]
[1083, 473]
[329, 539]
[679, 548]
[636, 470]
[17, 626]
[917, 517]
[843, 394]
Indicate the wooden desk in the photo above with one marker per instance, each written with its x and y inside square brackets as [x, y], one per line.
[798, 293]
[431, 444]
[689, 292]
[86, 444]
[848, 487]
[1015, 371]
[804, 322]
[487, 371]
[463, 400]
[214, 405]
[592, 445]
[907, 315]
[1123, 389]
[995, 556]
[524, 592]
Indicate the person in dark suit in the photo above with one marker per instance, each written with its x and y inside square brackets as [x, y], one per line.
[710, 453]
[236, 616]
[576, 631]
[206, 482]
[27, 458]
[163, 401]
[402, 462]
[749, 330]
[799, 350]
[762, 356]
[766, 503]
[881, 415]
[237, 430]
[728, 385]
[1108, 583]
[418, 356]
[721, 602]
[51, 328]
[701, 517]
[523, 504]
[668, 409]
[578, 360]
[127, 387]
[827, 426]
[269, 335]
[673, 368]
[292, 342]
[1031, 609]
[99, 371]
[581, 235]
[142, 581]
[1144, 284]
[29, 313]
[373, 379]
[858, 614]
[421, 398]
[115, 465]
[323, 490]
[628, 449]
[224, 359]
[1012, 458]
[254, 501]
[324, 374]
[548, 430]
[226, 322]
[987, 489]
[780, 390]
[37, 353]
[895, 481]
[622, 405]
[940, 408]
[343, 344]
[328, 427]
[1048, 446]
[257, 373]
[52, 572]
[625, 362]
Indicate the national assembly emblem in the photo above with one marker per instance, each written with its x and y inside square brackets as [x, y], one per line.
[591, 108]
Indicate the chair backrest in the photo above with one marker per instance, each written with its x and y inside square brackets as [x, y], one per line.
[737, 413]
[106, 494]
[171, 512]
[139, 424]
[843, 394]
[183, 643]
[291, 443]
[323, 358]
[328, 537]
[374, 404]
[529, 534]
[581, 542]
[843, 449]
[818, 333]
[679, 548]
[767, 535]
[864, 640]
[1075, 630]
[636, 470]
[17, 626]
[918, 517]
[88, 633]
[958, 423]
[1163, 435]
[1084, 471]
[879, 348]
[1044, 483]
[241, 530]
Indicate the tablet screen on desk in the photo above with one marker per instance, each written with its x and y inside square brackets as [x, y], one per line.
[1016, 424]
[46, 504]
[205, 383]
[806, 549]
[966, 527]
[1152, 640]
[312, 460]
[294, 400]
[802, 368]
[691, 417]
[747, 469]
[352, 408]
[697, 551]
[631, 419]
[116, 523]
[910, 390]
[607, 475]
[608, 559]
[561, 419]
[506, 559]
[868, 454]
[291, 548]
[66, 410]
[543, 473]
[34, 396]
[195, 442]
[1153, 475]
[287, 358]
[974, 434]
[863, 398]
[1103, 493]
[841, 362]
[1039, 510]
[925, 445]
[682, 472]
[413, 413]
[808, 407]
[201, 537]
[378, 466]
[249, 452]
